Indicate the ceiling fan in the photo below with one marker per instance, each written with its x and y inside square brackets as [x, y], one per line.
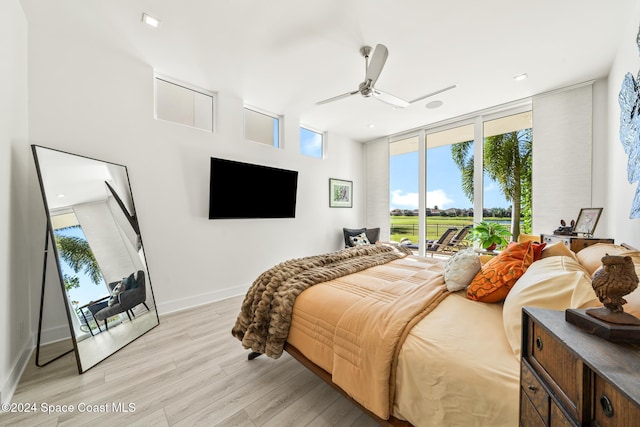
[373, 69]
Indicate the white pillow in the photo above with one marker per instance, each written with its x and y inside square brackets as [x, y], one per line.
[460, 269]
[555, 283]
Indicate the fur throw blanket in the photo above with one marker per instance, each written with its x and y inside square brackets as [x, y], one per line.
[265, 317]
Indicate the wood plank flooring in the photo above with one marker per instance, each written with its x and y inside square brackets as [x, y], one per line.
[188, 371]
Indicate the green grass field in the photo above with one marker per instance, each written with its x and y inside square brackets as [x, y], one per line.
[407, 226]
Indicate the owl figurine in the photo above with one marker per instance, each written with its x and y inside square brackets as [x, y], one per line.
[614, 280]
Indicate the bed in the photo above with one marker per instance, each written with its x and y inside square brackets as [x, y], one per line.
[412, 340]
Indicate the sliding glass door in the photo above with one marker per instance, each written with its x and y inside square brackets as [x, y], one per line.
[460, 174]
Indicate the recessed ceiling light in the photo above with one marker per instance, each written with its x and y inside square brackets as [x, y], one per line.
[150, 20]
[60, 196]
[520, 77]
[434, 104]
[371, 125]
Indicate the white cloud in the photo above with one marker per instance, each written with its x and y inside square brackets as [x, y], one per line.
[402, 200]
[438, 198]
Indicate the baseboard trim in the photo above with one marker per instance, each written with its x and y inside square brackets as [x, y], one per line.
[55, 334]
[11, 383]
[201, 299]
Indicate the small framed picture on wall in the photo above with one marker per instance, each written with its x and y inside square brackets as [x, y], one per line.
[340, 193]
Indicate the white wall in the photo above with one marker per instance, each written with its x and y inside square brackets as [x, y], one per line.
[90, 99]
[620, 192]
[14, 178]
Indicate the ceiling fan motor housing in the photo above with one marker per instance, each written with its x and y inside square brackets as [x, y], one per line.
[365, 89]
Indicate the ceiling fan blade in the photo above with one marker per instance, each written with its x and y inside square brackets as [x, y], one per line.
[376, 64]
[390, 99]
[434, 93]
[335, 98]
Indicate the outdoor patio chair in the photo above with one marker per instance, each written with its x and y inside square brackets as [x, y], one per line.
[458, 241]
[440, 245]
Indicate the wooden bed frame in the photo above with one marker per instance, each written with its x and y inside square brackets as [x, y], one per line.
[326, 377]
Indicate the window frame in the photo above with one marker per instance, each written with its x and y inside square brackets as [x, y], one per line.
[191, 87]
[477, 119]
[323, 135]
[280, 118]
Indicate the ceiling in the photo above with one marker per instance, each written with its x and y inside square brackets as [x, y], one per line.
[283, 56]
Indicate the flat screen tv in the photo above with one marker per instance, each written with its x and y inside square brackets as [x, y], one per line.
[244, 190]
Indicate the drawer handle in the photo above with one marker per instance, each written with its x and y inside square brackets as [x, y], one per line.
[532, 388]
[539, 343]
[607, 407]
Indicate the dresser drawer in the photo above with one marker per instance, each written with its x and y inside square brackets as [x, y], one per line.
[535, 392]
[551, 239]
[558, 419]
[529, 416]
[565, 371]
[569, 377]
[611, 408]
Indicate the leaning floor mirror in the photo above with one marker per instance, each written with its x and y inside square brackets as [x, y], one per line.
[93, 232]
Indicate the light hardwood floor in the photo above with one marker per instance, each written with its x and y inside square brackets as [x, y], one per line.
[187, 371]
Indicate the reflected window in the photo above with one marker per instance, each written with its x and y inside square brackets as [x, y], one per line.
[184, 104]
[81, 274]
[311, 143]
[262, 127]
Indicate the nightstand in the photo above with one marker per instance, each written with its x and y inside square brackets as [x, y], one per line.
[575, 243]
[571, 378]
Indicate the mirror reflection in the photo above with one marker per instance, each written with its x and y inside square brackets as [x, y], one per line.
[100, 257]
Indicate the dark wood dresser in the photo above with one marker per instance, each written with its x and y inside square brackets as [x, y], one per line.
[571, 378]
[574, 243]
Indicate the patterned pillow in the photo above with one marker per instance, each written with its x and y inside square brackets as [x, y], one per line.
[496, 278]
[360, 239]
[460, 269]
[348, 232]
[117, 290]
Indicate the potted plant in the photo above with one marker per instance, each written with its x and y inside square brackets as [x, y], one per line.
[490, 235]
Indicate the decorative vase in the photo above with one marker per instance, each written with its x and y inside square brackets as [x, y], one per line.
[491, 247]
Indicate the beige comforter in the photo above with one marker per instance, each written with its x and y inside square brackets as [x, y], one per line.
[396, 341]
[354, 326]
[454, 368]
[265, 317]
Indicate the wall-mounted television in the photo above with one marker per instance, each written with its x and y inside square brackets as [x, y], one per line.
[245, 190]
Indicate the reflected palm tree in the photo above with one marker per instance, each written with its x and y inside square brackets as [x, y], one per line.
[77, 253]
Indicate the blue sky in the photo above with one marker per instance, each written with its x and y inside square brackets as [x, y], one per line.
[310, 143]
[88, 291]
[443, 183]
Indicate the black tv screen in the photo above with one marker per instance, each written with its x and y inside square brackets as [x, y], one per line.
[244, 190]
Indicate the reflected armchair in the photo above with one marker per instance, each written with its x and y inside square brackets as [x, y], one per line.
[134, 293]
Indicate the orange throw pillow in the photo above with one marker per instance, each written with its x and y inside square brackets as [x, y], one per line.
[537, 250]
[496, 278]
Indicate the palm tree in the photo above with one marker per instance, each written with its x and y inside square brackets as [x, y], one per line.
[506, 160]
[77, 253]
